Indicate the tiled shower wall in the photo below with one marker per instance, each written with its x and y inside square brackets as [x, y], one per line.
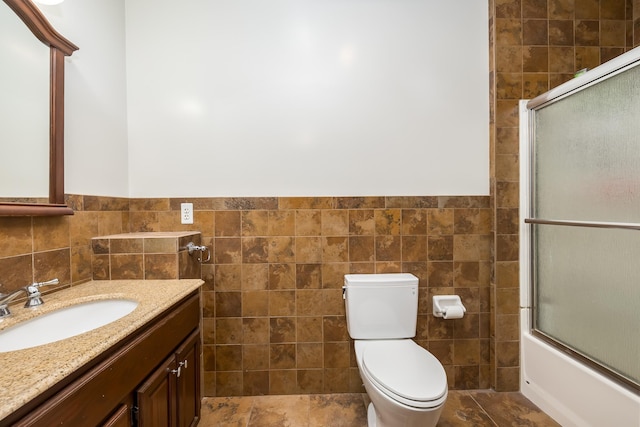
[535, 45]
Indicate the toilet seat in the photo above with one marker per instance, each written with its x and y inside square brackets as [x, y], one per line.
[405, 372]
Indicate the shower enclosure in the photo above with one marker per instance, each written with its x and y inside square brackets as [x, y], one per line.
[580, 247]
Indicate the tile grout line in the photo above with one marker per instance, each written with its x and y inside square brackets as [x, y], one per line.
[483, 410]
[253, 403]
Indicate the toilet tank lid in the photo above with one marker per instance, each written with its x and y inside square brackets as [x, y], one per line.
[386, 279]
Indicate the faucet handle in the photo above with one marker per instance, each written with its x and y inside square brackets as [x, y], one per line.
[47, 283]
[32, 289]
[34, 297]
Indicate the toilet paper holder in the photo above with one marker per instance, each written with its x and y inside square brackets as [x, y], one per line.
[448, 306]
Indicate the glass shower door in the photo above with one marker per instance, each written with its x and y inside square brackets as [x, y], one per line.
[585, 221]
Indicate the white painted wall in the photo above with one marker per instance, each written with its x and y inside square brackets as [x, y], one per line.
[278, 97]
[306, 97]
[96, 153]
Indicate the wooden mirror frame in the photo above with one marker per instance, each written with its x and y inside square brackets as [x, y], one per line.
[59, 48]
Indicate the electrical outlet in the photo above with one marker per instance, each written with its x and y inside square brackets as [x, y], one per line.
[186, 213]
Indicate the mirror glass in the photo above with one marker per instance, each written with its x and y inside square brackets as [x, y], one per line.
[24, 112]
[27, 140]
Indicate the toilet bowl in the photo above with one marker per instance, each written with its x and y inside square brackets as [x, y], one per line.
[407, 385]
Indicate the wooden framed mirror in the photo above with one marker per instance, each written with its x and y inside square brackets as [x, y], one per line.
[59, 47]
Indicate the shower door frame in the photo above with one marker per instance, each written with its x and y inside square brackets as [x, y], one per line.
[567, 385]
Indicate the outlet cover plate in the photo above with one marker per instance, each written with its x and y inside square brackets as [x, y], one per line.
[186, 213]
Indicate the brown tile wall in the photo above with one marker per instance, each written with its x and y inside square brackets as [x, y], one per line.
[273, 313]
[535, 45]
[145, 256]
[274, 318]
[41, 248]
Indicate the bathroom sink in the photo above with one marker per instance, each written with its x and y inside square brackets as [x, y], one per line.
[64, 323]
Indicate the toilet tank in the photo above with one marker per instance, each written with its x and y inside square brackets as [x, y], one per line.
[381, 306]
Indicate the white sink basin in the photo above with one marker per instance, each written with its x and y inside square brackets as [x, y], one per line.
[64, 323]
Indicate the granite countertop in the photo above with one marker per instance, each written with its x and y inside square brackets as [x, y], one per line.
[24, 374]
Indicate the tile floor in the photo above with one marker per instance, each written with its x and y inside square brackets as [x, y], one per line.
[463, 408]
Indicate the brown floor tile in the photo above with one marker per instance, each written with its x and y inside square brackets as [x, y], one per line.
[280, 411]
[511, 409]
[337, 410]
[463, 408]
[225, 411]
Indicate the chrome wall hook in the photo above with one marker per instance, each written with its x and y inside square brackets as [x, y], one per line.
[192, 247]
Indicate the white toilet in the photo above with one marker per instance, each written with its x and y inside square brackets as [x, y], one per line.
[407, 385]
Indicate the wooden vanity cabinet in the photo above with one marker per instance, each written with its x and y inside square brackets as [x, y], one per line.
[170, 397]
[156, 403]
[133, 383]
[189, 397]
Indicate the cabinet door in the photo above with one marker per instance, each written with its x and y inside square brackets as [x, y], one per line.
[188, 381]
[156, 402]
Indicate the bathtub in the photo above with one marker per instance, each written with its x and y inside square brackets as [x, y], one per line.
[569, 391]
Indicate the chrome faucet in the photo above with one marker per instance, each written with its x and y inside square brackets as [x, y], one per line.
[34, 298]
